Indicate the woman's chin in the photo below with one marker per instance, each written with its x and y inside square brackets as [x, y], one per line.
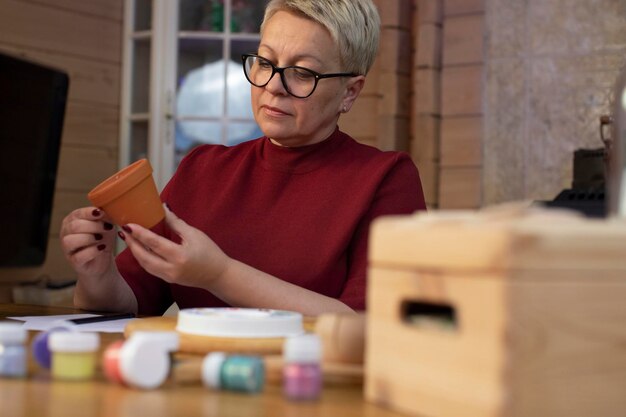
[277, 133]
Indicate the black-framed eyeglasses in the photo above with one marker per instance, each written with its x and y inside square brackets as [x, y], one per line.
[298, 81]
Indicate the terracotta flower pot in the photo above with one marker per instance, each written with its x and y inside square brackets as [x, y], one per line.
[130, 196]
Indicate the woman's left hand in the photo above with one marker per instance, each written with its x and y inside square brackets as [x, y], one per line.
[197, 261]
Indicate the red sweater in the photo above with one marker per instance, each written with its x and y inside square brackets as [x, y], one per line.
[300, 214]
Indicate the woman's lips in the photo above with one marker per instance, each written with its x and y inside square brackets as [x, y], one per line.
[274, 111]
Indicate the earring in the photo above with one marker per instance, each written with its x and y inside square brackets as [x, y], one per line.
[344, 109]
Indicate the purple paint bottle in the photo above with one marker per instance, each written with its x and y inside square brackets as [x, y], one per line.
[302, 372]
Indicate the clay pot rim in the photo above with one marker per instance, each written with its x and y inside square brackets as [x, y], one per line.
[120, 182]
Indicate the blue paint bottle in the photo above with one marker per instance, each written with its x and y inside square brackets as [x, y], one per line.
[233, 373]
[12, 350]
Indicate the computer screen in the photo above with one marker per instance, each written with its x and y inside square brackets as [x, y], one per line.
[32, 108]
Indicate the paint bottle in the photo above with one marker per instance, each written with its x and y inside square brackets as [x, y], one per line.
[40, 349]
[73, 354]
[302, 373]
[143, 361]
[233, 372]
[12, 349]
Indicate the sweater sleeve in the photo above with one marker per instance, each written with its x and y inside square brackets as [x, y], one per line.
[399, 192]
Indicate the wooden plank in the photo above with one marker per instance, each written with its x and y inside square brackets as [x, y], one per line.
[109, 9]
[395, 95]
[457, 7]
[430, 11]
[355, 123]
[461, 141]
[393, 133]
[395, 51]
[372, 80]
[60, 31]
[81, 169]
[91, 125]
[90, 80]
[463, 40]
[461, 90]
[428, 91]
[460, 188]
[429, 46]
[429, 176]
[396, 13]
[425, 144]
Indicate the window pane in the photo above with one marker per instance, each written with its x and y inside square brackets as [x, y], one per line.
[143, 15]
[239, 47]
[138, 140]
[201, 15]
[191, 133]
[241, 132]
[200, 78]
[246, 15]
[238, 87]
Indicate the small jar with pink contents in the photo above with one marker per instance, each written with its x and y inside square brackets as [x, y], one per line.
[302, 373]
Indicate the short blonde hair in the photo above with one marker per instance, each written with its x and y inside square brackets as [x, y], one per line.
[354, 25]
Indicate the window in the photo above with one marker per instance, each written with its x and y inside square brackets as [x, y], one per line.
[183, 81]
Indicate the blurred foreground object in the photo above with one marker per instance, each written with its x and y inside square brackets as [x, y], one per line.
[509, 311]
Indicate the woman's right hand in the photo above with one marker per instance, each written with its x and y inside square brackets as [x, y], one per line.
[87, 240]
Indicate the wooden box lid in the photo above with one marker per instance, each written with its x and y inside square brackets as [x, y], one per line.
[499, 238]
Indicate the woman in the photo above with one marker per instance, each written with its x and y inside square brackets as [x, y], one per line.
[278, 222]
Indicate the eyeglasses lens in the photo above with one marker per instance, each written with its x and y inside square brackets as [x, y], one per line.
[299, 82]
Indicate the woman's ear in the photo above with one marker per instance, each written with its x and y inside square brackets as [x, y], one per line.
[352, 91]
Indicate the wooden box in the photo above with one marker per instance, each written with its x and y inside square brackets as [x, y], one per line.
[501, 312]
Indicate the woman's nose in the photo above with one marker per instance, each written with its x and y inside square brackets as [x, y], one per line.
[275, 85]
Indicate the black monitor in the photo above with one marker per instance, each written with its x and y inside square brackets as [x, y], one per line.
[32, 108]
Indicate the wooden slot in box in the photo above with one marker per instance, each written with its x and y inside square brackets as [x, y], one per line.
[501, 312]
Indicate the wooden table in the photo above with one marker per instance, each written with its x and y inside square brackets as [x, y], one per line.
[40, 395]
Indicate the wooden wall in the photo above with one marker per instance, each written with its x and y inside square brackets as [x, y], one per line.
[424, 95]
[83, 38]
[461, 104]
[426, 121]
[447, 121]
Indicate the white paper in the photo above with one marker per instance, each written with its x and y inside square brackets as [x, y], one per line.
[43, 323]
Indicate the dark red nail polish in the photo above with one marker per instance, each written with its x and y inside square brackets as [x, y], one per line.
[108, 226]
[97, 236]
[101, 247]
[121, 235]
[127, 229]
[96, 212]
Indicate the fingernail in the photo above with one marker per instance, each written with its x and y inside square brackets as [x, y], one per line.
[121, 235]
[98, 236]
[101, 247]
[127, 229]
[108, 226]
[96, 212]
